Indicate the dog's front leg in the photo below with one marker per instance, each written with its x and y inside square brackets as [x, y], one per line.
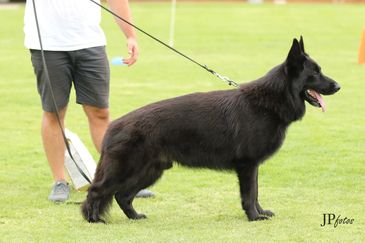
[258, 207]
[248, 188]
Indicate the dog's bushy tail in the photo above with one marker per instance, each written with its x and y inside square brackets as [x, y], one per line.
[98, 200]
[95, 207]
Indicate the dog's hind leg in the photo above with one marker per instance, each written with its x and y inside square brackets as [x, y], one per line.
[125, 203]
[125, 196]
[127, 191]
[247, 181]
[258, 207]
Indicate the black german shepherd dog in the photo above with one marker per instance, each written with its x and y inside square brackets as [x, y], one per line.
[235, 129]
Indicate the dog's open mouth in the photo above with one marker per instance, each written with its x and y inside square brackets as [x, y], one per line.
[315, 99]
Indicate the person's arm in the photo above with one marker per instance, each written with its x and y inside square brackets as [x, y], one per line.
[121, 8]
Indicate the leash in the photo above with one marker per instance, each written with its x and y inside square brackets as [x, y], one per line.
[46, 75]
[224, 78]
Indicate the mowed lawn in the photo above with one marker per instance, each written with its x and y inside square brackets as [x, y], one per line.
[320, 168]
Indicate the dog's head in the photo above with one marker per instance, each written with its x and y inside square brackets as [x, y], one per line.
[306, 76]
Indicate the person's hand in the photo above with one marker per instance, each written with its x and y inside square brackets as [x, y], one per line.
[132, 51]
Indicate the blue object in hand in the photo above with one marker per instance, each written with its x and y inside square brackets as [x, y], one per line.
[118, 61]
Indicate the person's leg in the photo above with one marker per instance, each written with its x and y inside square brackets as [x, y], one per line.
[53, 143]
[98, 123]
[91, 82]
[54, 147]
[60, 71]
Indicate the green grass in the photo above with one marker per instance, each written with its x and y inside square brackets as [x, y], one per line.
[320, 169]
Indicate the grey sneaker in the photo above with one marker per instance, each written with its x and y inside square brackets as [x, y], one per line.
[145, 193]
[60, 192]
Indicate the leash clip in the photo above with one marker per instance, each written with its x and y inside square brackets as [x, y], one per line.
[221, 77]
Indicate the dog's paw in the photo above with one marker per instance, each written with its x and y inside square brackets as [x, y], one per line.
[267, 213]
[91, 220]
[138, 216]
[255, 216]
[258, 218]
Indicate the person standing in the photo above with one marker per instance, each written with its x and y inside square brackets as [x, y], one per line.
[74, 48]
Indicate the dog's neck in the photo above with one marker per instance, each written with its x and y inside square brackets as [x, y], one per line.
[274, 93]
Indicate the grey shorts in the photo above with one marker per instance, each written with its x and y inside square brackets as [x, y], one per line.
[87, 69]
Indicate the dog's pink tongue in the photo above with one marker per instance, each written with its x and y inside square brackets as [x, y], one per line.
[320, 100]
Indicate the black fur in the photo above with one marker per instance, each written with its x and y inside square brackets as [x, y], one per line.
[226, 130]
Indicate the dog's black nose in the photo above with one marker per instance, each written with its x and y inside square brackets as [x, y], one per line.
[336, 87]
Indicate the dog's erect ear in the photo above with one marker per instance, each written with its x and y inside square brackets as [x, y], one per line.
[295, 52]
[295, 59]
[301, 44]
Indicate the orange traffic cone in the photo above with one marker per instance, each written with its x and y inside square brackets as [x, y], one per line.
[362, 49]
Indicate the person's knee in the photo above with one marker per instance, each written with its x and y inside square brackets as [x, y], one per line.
[52, 117]
[97, 114]
[101, 114]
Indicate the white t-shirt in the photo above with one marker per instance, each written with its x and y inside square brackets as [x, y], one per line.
[65, 25]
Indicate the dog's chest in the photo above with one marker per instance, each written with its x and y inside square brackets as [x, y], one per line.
[260, 142]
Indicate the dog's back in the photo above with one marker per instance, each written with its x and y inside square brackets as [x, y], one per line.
[211, 130]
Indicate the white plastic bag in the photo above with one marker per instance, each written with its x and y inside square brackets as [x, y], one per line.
[83, 159]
